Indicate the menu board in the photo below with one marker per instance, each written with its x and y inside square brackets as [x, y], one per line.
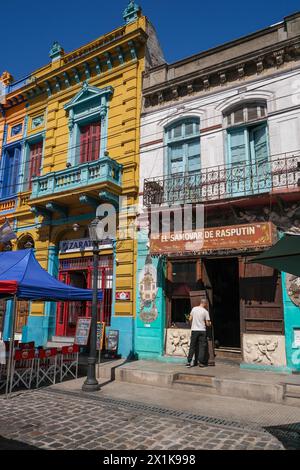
[83, 328]
[113, 340]
[100, 335]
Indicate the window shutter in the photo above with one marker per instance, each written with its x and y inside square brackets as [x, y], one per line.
[237, 147]
[84, 143]
[193, 156]
[260, 144]
[176, 154]
[35, 158]
[94, 143]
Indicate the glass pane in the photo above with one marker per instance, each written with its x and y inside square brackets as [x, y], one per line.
[177, 130]
[252, 112]
[190, 128]
[238, 115]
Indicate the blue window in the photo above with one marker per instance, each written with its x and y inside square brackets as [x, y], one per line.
[248, 149]
[10, 172]
[183, 147]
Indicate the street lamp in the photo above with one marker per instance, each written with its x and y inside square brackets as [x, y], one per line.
[91, 384]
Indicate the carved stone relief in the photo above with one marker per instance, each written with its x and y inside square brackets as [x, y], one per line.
[267, 350]
[178, 342]
[293, 288]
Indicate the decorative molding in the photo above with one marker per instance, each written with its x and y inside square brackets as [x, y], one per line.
[16, 130]
[6, 78]
[132, 12]
[56, 51]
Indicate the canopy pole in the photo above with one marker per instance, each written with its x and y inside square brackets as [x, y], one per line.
[11, 349]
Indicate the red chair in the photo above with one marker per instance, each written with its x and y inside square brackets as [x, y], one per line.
[46, 366]
[69, 361]
[16, 344]
[29, 345]
[22, 368]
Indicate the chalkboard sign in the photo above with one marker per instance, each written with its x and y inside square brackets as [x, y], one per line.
[100, 335]
[82, 331]
[113, 340]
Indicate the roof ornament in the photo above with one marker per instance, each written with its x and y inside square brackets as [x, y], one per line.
[131, 12]
[56, 51]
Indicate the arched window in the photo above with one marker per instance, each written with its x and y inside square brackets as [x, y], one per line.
[183, 146]
[247, 133]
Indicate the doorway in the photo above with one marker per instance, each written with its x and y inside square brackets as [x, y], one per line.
[221, 279]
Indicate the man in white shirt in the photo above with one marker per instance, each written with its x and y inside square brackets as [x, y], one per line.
[200, 320]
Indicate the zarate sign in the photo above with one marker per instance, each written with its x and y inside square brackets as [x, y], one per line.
[233, 237]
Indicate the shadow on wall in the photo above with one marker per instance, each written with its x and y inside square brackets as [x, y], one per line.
[287, 434]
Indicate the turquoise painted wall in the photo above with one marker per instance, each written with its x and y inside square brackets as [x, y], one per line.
[291, 322]
[149, 337]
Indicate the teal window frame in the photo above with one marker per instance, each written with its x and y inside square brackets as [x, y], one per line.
[183, 141]
[33, 139]
[90, 105]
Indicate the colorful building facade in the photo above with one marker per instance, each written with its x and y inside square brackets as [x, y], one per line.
[220, 134]
[69, 137]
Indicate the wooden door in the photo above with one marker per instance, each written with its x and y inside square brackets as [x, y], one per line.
[261, 298]
[22, 315]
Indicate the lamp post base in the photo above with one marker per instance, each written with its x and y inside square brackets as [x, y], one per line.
[91, 386]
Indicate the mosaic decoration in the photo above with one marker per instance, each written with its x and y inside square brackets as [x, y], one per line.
[37, 122]
[148, 292]
[293, 288]
[16, 130]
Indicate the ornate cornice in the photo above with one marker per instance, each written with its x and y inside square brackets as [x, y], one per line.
[223, 73]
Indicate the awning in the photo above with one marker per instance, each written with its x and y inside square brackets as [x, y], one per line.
[8, 288]
[284, 256]
[20, 269]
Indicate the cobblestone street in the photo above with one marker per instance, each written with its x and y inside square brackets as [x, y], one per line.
[48, 419]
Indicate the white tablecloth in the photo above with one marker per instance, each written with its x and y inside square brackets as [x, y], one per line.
[2, 353]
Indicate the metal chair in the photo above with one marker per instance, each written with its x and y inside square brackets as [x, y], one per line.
[69, 361]
[46, 366]
[22, 368]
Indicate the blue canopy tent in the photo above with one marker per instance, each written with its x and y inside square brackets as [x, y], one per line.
[22, 278]
[33, 282]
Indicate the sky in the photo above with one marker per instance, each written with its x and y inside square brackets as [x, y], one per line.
[184, 27]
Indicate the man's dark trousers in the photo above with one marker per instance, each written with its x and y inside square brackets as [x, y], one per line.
[198, 347]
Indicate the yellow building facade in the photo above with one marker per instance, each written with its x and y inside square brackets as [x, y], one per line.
[69, 137]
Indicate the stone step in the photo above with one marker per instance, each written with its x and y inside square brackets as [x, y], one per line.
[194, 379]
[292, 394]
[194, 382]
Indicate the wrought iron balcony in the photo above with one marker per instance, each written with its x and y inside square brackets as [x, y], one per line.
[225, 182]
[105, 170]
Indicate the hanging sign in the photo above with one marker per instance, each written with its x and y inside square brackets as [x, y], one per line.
[83, 328]
[123, 295]
[232, 237]
[100, 335]
[80, 245]
[113, 340]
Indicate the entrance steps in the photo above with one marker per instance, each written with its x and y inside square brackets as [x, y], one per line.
[292, 394]
[230, 354]
[225, 379]
[59, 342]
[194, 382]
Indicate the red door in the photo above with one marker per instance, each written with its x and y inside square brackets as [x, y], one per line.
[36, 151]
[69, 312]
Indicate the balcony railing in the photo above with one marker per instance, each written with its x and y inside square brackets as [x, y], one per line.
[225, 182]
[104, 170]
